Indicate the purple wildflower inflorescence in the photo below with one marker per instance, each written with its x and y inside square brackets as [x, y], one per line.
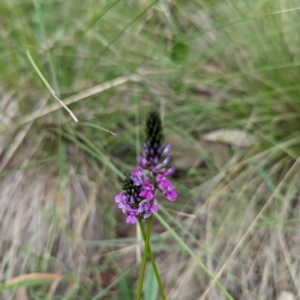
[139, 189]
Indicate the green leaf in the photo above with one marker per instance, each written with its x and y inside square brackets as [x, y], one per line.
[151, 286]
[125, 289]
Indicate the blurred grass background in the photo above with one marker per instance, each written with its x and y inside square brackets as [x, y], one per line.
[224, 76]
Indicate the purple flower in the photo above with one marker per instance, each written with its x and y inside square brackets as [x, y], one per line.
[166, 185]
[119, 198]
[147, 209]
[147, 191]
[171, 195]
[137, 196]
[138, 176]
[168, 189]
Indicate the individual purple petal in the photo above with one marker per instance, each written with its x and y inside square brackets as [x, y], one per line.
[131, 219]
[154, 208]
[119, 198]
[160, 177]
[143, 193]
[166, 185]
[171, 195]
[171, 170]
[136, 181]
[142, 162]
[152, 168]
[131, 199]
[162, 173]
[167, 150]
[160, 168]
[123, 207]
[137, 176]
[147, 215]
[138, 172]
[146, 194]
[166, 160]
[148, 186]
[144, 206]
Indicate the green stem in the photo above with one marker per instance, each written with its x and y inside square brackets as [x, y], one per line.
[144, 261]
[155, 269]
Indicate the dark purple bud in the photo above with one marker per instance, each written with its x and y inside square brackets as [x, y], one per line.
[145, 152]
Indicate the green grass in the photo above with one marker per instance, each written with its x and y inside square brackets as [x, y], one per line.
[205, 65]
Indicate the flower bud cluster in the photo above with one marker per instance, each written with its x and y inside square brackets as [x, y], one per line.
[135, 198]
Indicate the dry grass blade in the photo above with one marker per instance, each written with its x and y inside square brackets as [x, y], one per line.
[288, 259]
[85, 214]
[248, 231]
[233, 137]
[34, 277]
[72, 99]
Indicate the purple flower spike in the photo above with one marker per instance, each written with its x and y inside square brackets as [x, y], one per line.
[138, 196]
